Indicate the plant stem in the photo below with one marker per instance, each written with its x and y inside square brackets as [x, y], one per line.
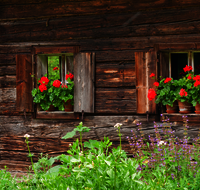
[120, 140]
[81, 141]
[30, 155]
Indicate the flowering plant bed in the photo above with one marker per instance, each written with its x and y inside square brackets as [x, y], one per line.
[52, 92]
[168, 90]
[160, 161]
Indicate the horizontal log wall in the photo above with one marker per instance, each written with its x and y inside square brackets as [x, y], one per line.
[114, 30]
[46, 135]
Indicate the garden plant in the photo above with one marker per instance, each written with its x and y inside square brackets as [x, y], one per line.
[51, 91]
[160, 161]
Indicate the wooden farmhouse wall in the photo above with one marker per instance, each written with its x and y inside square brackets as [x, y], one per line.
[126, 38]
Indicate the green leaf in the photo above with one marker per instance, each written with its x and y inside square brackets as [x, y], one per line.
[69, 135]
[108, 162]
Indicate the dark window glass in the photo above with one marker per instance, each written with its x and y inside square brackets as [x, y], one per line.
[178, 62]
[197, 63]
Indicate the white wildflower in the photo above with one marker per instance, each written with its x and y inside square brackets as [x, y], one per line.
[117, 125]
[26, 135]
[70, 144]
[81, 153]
[161, 143]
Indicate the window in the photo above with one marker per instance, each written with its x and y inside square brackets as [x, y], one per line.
[69, 60]
[47, 62]
[178, 60]
[166, 60]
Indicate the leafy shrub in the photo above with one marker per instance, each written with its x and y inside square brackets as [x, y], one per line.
[162, 161]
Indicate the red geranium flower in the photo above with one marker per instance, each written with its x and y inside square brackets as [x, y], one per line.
[56, 83]
[64, 86]
[55, 68]
[152, 75]
[71, 76]
[183, 92]
[189, 77]
[187, 68]
[167, 80]
[197, 83]
[151, 94]
[197, 77]
[42, 87]
[44, 80]
[156, 84]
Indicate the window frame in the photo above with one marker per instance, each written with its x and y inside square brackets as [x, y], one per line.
[177, 117]
[52, 50]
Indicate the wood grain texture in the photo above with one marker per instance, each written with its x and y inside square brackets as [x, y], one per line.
[7, 95]
[115, 100]
[10, 49]
[7, 81]
[7, 59]
[24, 101]
[8, 108]
[117, 74]
[141, 83]
[114, 28]
[57, 115]
[28, 9]
[8, 70]
[84, 72]
[106, 56]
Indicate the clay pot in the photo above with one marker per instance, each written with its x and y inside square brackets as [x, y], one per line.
[51, 108]
[173, 109]
[68, 106]
[197, 108]
[184, 107]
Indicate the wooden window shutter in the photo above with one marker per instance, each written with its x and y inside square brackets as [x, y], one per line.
[84, 82]
[24, 83]
[145, 63]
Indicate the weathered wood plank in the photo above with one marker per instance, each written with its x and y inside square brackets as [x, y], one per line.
[57, 115]
[115, 74]
[115, 100]
[15, 165]
[7, 81]
[8, 70]
[186, 27]
[24, 10]
[8, 108]
[41, 128]
[24, 100]
[141, 82]
[7, 59]
[106, 56]
[106, 20]
[14, 49]
[52, 50]
[7, 95]
[177, 46]
[84, 75]
[192, 118]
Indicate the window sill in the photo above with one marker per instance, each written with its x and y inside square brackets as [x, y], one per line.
[56, 115]
[192, 117]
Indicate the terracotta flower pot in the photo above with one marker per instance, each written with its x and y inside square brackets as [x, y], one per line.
[68, 106]
[51, 108]
[197, 108]
[184, 107]
[173, 109]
